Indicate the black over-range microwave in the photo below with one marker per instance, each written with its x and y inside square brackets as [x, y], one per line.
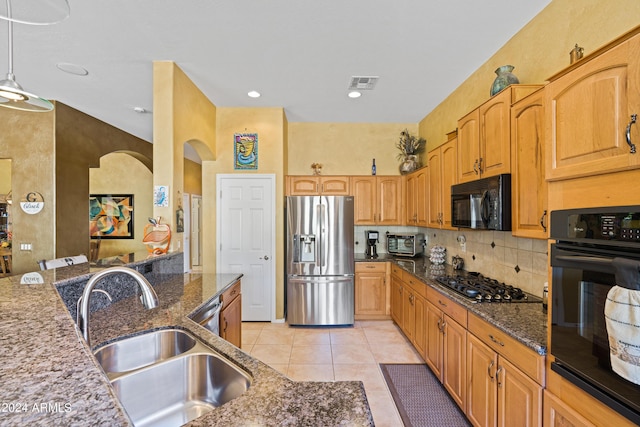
[484, 204]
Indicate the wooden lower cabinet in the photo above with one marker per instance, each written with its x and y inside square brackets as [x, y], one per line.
[397, 290]
[446, 352]
[231, 315]
[493, 378]
[371, 290]
[408, 307]
[558, 414]
[499, 393]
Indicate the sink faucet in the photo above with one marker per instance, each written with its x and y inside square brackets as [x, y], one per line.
[149, 297]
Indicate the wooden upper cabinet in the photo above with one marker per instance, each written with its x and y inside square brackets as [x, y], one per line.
[389, 192]
[316, 185]
[484, 144]
[377, 199]
[528, 183]
[588, 110]
[364, 198]
[435, 188]
[449, 161]
[495, 134]
[469, 147]
[417, 197]
[422, 197]
[442, 175]
[335, 185]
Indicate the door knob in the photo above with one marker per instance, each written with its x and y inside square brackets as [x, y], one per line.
[266, 257]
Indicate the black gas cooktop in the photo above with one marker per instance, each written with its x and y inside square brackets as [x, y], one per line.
[484, 289]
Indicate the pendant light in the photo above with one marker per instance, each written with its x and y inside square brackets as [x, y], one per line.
[36, 12]
[11, 93]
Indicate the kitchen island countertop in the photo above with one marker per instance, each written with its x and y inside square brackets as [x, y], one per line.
[525, 322]
[49, 376]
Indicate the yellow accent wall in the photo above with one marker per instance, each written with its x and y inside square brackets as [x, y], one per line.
[192, 177]
[270, 124]
[345, 148]
[538, 51]
[182, 114]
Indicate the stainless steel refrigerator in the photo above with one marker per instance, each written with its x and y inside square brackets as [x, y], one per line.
[320, 265]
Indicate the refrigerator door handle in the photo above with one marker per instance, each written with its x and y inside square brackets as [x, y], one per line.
[322, 216]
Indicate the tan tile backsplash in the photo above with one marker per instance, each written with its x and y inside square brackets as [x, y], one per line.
[518, 261]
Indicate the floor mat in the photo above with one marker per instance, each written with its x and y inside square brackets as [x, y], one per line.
[420, 398]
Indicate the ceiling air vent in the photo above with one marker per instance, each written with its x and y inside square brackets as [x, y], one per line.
[363, 83]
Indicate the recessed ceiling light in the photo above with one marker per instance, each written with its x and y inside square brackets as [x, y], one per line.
[354, 94]
[67, 67]
[254, 94]
[140, 110]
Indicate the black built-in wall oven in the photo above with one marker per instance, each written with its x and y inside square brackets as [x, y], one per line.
[595, 305]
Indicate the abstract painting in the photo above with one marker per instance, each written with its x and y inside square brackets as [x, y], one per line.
[245, 150]
[111, 216]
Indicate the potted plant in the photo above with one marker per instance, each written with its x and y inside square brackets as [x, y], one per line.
[410, 149]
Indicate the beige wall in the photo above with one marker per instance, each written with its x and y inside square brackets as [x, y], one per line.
[344, 148]
[122, 174]
[538, 51]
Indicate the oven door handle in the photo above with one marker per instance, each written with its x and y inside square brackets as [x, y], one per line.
[587, 259]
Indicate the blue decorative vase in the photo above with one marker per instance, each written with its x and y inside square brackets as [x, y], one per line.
[504, 79]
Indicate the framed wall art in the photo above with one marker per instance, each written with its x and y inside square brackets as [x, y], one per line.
[111, 216]
[245, 150]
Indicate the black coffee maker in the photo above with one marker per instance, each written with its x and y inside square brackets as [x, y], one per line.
[372, 238]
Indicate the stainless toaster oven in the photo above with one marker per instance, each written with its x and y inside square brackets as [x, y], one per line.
[409, 245]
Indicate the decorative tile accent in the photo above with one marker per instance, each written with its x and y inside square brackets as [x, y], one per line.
[517, 269]
[493, 245]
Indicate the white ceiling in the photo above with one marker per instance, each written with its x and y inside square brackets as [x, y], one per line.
[299, 54]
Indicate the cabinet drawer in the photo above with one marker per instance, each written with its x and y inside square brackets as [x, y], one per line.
[396, 270]
[418, 285]
[527, 360]
[447, 306]
[231, 293]
[371, 267]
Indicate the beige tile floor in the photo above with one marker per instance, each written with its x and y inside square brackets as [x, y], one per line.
[335, 354]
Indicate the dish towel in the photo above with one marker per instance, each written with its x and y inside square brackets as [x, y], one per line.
[622, 316]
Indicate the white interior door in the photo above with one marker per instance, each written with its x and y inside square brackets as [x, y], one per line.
[186, 235]
[246, 239]
[196, 230]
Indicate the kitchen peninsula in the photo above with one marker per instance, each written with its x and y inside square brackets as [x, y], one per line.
[49, 376]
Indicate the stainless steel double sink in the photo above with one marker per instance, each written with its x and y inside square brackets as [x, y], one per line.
[169, 377]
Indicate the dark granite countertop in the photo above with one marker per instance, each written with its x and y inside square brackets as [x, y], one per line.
[49, 376]
[525, 322]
